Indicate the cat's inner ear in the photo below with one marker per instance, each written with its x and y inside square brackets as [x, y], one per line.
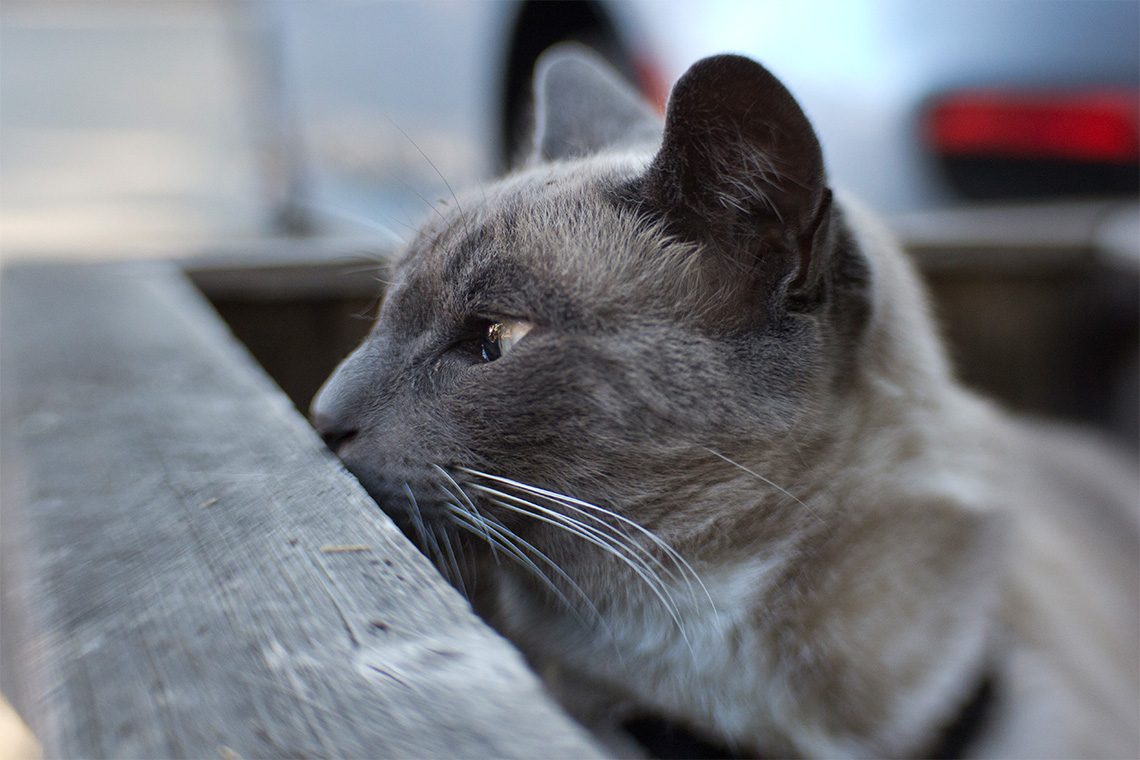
[740, 168]
[583, 106]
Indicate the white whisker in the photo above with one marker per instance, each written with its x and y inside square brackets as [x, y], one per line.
[429, 543]
[464, 503]
[434, 168]
[581, 506]
[458, 582]
[624, 551]
[615, 538]
[417, 519]
[355, 218]
[475, 523]
[655, 584]
[766, 481]
[509, 542]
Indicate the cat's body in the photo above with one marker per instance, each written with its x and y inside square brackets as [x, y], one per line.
[708, 405]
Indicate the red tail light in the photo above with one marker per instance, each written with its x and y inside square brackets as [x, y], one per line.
[1100, 126]
[652, 82]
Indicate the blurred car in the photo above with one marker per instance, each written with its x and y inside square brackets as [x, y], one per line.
[919, 104]
[1000, 138]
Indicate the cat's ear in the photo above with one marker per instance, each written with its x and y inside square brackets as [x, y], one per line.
[740, 170]
[582, 106]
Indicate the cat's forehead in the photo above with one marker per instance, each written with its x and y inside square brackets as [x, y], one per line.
[553, 226]
[529, 215]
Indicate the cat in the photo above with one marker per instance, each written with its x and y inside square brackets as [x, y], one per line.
[675, 415]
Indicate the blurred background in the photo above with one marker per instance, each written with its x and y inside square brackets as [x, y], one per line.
[282, 149]
[271, 144]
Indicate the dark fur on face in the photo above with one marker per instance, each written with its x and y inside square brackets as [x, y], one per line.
[689, 303]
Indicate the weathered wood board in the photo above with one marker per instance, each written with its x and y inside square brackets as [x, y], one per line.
[189, 573]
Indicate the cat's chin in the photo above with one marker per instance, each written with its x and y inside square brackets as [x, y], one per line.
[411, 501]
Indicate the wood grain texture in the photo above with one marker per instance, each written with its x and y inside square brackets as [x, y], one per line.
[197, 576]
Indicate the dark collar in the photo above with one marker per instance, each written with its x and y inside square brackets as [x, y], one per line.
[662, 738]
[960, 733]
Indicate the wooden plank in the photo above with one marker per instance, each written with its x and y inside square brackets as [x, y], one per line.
[174, 516]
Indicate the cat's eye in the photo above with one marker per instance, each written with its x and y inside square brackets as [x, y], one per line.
[502, 336]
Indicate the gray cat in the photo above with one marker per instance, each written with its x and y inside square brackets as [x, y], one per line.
[678, 420]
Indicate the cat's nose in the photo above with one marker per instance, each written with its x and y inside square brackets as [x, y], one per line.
[335, 433]
[331, 413]
[339, 411]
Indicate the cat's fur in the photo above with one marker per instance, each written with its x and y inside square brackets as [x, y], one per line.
[726, 355]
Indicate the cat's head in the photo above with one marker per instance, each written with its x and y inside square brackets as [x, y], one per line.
[637, 319]
[662, 348]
